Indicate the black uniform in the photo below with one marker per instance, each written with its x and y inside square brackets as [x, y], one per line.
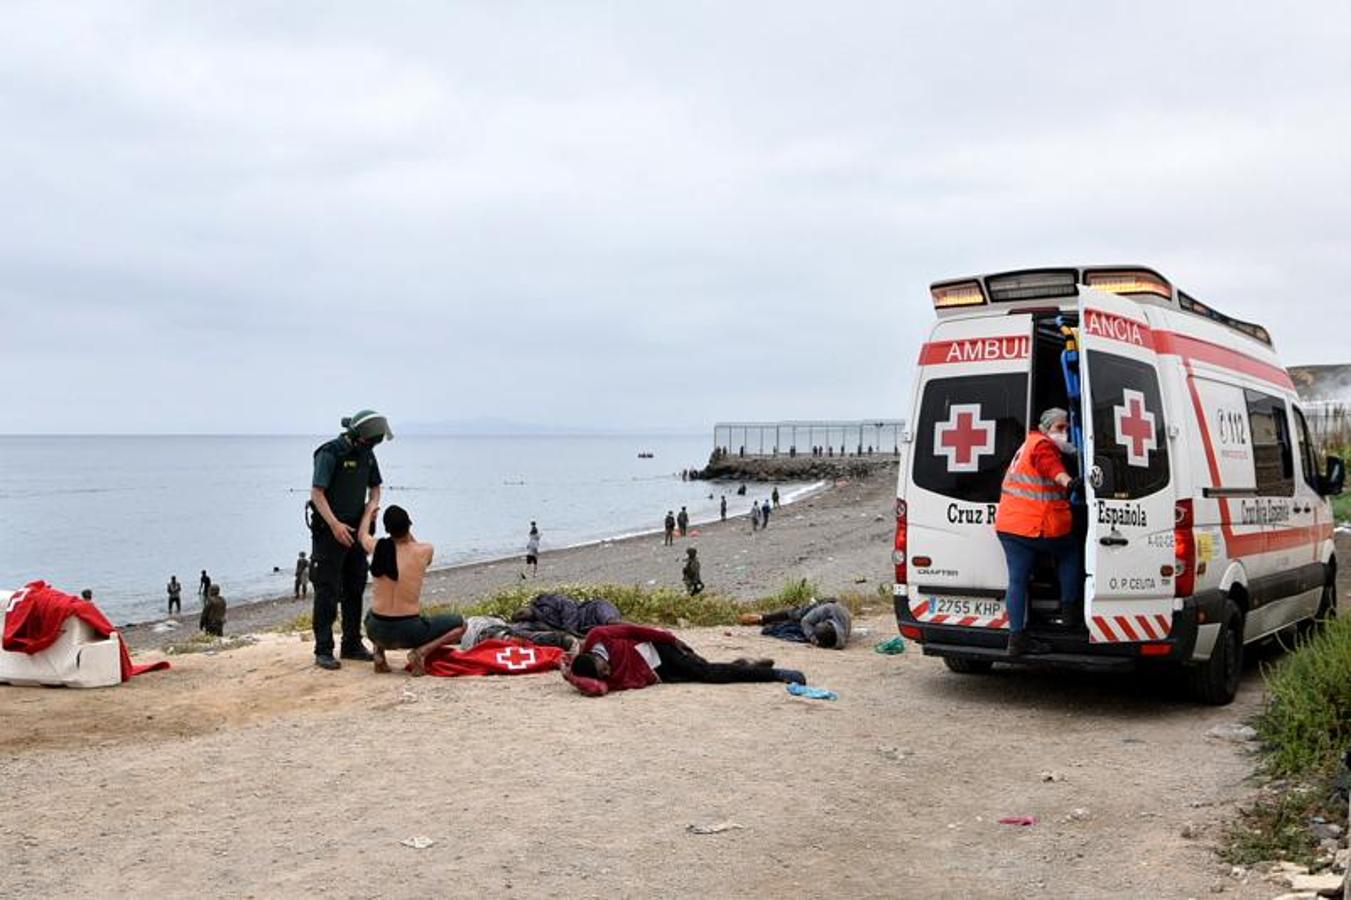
[344, 472]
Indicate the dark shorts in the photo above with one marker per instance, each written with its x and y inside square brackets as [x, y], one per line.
[408, 632]
[531, 559]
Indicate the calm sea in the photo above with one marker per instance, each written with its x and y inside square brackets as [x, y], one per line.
[119, 515]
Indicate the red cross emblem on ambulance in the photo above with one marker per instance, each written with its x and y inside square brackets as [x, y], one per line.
[1135, 428]
[964, 438]
[516, 658]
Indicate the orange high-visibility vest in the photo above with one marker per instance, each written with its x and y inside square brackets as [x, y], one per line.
[1030, 505]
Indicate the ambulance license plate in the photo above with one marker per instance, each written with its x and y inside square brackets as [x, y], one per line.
[984, 607]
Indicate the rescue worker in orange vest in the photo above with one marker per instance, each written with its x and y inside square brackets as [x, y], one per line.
[1034, 518]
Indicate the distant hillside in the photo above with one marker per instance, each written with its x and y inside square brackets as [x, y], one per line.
[1322, 382]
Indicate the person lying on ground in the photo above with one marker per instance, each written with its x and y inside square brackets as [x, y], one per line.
[395, 620]
[626, 657]
[481, 628]
[823, 623]
[561, 613]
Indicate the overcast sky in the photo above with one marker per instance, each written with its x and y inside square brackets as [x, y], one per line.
[257, 217]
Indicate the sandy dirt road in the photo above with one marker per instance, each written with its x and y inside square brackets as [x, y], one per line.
[251, 773]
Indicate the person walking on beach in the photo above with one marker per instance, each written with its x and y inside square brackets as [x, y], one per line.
[722, 507]
[683, 521]
[213, 613]
[532, 551]
[670, 529]
[775, 496]
[690, 573]
[345, 484]
[755, 517]
[399, 565]
[764, 514]
[302, 575]
[175, 589]
[204, 584]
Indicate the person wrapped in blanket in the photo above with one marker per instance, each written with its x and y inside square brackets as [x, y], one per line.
[822, 623]
[478, 629]
[395, 620]
[627, 657]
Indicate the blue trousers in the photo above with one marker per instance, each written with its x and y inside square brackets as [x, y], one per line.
[1021, 555]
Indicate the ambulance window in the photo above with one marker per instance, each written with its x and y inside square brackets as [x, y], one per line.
[969, 428]
[1308, 459]
[1129, 435]
[1273, 456]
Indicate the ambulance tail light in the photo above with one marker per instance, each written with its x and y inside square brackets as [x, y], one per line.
[1184, 550]
[1128, 282]
[957, 293]
[898, 557]
[912, 633]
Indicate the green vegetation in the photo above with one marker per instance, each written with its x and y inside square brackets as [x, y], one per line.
[1306, 725]
[652, 605]
[1305, 728]
[1341, 507]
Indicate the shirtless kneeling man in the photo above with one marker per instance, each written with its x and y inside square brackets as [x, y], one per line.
[395, 621]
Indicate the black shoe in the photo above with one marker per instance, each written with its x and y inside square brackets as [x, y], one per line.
[326, 661]
[790, 676]
[1020, 644]
[359, 653]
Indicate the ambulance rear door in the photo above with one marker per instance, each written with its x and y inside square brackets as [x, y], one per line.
[971, 418]
[1129, 555]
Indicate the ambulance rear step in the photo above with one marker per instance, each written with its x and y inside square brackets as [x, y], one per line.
[1082, 661]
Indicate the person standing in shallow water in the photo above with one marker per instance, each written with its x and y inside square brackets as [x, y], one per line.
[775, 496]
[302, 575]
[722, 508]
[683, 521]
[175, 590]
[203, 584]
[346, 483]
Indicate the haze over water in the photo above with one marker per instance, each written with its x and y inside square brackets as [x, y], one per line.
[119, 515]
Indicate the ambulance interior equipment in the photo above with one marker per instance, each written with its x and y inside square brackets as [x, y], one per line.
[1203, 515]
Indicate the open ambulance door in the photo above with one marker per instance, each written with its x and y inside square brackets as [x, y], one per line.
[1129, 557]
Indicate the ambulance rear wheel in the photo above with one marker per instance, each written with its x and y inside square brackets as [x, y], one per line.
[1215, 681]
[968, 666]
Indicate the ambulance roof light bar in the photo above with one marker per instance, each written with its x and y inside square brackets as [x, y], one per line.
[947, 295]
[1130, 282]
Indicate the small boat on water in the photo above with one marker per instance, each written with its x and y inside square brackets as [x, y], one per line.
[646, 454]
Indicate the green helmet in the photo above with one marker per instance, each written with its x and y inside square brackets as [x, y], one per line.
[368, 424]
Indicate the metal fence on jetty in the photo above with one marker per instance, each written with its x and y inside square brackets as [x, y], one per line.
[1329, 423]
[809, 438]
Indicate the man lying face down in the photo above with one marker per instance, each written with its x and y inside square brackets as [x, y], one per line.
[625, 657]
[398, 565]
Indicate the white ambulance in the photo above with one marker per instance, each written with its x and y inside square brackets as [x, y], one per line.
[1204, 516]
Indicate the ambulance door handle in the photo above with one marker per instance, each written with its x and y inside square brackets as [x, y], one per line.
[1115, 539]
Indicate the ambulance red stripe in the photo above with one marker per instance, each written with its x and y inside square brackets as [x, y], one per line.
[1193, 349]
[1147, 628]
[1106, 629]
[1165, 625]
[1124, 623]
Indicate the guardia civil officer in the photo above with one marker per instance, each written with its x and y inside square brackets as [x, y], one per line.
[346, 480]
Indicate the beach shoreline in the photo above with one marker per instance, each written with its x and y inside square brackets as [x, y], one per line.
[627, 558]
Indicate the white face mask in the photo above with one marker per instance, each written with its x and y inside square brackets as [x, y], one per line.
[1062, 442]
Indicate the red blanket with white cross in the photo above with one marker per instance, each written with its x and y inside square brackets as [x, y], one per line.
[493, 657]
[34, 616]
